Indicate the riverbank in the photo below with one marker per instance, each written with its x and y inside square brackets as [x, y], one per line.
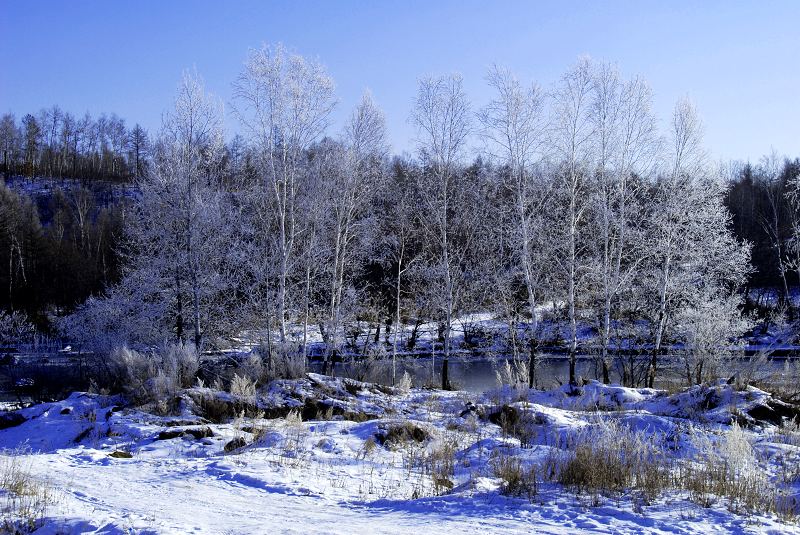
[323, 455]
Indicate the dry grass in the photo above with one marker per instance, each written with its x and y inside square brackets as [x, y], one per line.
[608, 458]
[728, 469]
[24, 498]
[517, 479]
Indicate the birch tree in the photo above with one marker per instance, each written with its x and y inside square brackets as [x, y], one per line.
[283, 101]
[441, 116]
[514, 126]
[625, 146]
[571, 140]
[691, 246]
[181, 225]
[351, 189]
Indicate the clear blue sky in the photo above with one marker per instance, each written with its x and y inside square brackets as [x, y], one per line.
[739, 62]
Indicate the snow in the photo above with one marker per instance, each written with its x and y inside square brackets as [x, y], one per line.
[334, 476]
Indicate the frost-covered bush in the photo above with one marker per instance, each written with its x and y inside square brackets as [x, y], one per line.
[281, 362]
[512, 373]
[15, 329]
[405, 384]
[181, 362]
[148, 377]
[252, 368]
[243, 387]
[121, 317]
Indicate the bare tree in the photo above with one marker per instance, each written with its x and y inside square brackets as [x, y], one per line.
[514, 127]
[351, 188]
[571, 138]
[442, 118]
[625, 147]
[283, 100]
[690, 243]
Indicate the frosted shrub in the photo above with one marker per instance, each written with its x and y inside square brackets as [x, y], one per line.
[15, 329]
[405, 384]
[280, 362]
[180, 362]
[149, 378]
[243, 388]
[370, 368]
[129, 371]
[728, 469]
[513, 373]
[253, 368]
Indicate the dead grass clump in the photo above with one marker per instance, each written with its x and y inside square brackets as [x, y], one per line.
[520, 424]
[24, 498]
[609, 458]
[517, 479]
[244, 388]
[401, 433]
[728, 469]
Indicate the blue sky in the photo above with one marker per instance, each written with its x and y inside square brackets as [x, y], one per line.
[739, 62]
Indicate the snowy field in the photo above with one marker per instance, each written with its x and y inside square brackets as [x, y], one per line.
[322, 455]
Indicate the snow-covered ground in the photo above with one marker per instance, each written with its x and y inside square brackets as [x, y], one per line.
[322, 455]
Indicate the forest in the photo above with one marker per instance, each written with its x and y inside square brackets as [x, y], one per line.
[556, 209]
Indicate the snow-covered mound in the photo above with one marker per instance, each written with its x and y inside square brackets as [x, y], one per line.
[332, 455]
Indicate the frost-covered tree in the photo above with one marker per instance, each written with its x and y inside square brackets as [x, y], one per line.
[514, 126]
[572, 150]
[180, 241]
[283, 101]
[690, 246]
[352, 178]
[624, 137]
[441, 116]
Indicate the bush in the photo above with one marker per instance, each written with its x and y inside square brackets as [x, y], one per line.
[15, 329]
[405, 384]
[148, 378]
[243, 388]
[281, 362]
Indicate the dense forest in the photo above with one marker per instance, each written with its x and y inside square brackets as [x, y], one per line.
[563, 205]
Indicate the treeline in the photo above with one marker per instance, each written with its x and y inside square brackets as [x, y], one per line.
[763, 200]
[48, 269]
[577, 210]
[55, 143]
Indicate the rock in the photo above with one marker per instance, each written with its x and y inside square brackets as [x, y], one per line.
[197, 433]
[235, 444]
[203, 432]
[402, 433]
[469, 409]
[120, 454]
[66, 410]
[506, 417]
[11, 419]
[774, 412]
[169, 435]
